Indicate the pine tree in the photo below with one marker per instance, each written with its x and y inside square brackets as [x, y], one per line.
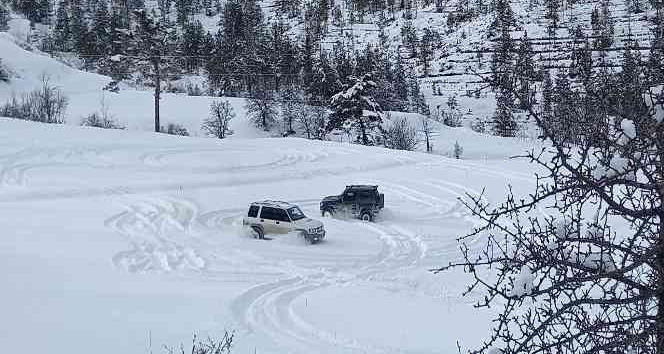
[78, 28]
[62, 27]
[426, 50]
[4, 17]
[101, 29]
[631, 88]
[4, 75]
[503, 118]
[502, 66]
[192, 43]
[552, 9]
[526, 73]
[348, 108]
[409, 38]
[655, 65]
[184, 10]
[153, 47]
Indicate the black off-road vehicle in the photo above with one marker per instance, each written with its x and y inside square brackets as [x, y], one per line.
[358, 201]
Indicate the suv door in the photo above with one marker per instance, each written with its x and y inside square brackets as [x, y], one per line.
[350, 202]
[282, 221]
[268, 219]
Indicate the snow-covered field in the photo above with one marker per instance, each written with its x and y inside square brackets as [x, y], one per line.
[112, 240]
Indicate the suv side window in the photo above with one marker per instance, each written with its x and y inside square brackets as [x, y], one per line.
[282, 215]
[269, 213]
[365, 195]
[349, 197]
[253, 211]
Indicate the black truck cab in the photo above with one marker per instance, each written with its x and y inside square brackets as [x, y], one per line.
[358, 201]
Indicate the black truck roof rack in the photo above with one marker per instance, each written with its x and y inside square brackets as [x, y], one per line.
[362, 186]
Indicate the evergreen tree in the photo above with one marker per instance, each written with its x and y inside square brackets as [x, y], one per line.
[153, 47]
[426, 50]
[192, 43]
[101, 29]
[504, 17]
[307, 59]
[62, 27]
[565, 120]
[503, 118]
[4, 17]
[348, 108]
[409, 38]
[552, 10]
[655, 65]
[326, 80]
[526, 73]
[78, 28]
[184, 10]
[4, 75]
[602, 24]
[502, 65]
[631, 88]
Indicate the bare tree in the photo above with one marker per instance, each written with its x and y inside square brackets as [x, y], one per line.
[262, 109]
[313, 120]
[588, 277]
[221, 113]
[401, 135]
[427, 129]
[208, 346]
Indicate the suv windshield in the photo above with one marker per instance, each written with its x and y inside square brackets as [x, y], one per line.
[295, 213]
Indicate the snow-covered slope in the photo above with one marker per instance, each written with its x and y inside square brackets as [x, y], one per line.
[116, 239]
[132, 108]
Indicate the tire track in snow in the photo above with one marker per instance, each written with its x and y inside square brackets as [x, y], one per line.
[267, 309]
[157, 231]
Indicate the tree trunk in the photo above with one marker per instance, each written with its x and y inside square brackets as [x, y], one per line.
[363, 130]
[157, 95]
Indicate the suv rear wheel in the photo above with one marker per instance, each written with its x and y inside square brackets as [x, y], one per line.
[258, 232]
[366, 215]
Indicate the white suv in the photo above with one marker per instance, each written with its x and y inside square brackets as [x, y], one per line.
[276, 217]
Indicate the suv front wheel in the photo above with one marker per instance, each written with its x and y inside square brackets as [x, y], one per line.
[366, 215]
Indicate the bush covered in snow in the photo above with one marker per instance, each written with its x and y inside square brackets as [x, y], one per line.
[401, 135]
[175, 129]
[98, 120]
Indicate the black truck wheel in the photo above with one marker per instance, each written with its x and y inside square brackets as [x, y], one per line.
[327, 213]
[366, 215]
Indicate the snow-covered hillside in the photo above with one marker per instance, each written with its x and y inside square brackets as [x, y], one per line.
[131, 108]
[115, 239]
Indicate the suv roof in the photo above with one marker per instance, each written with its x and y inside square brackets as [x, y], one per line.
[275, 203]
[362, 187]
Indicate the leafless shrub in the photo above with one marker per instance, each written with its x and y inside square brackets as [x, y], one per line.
[175, 129]
[102, 119]
[46, 104]
[400, 135]
[205, 346]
